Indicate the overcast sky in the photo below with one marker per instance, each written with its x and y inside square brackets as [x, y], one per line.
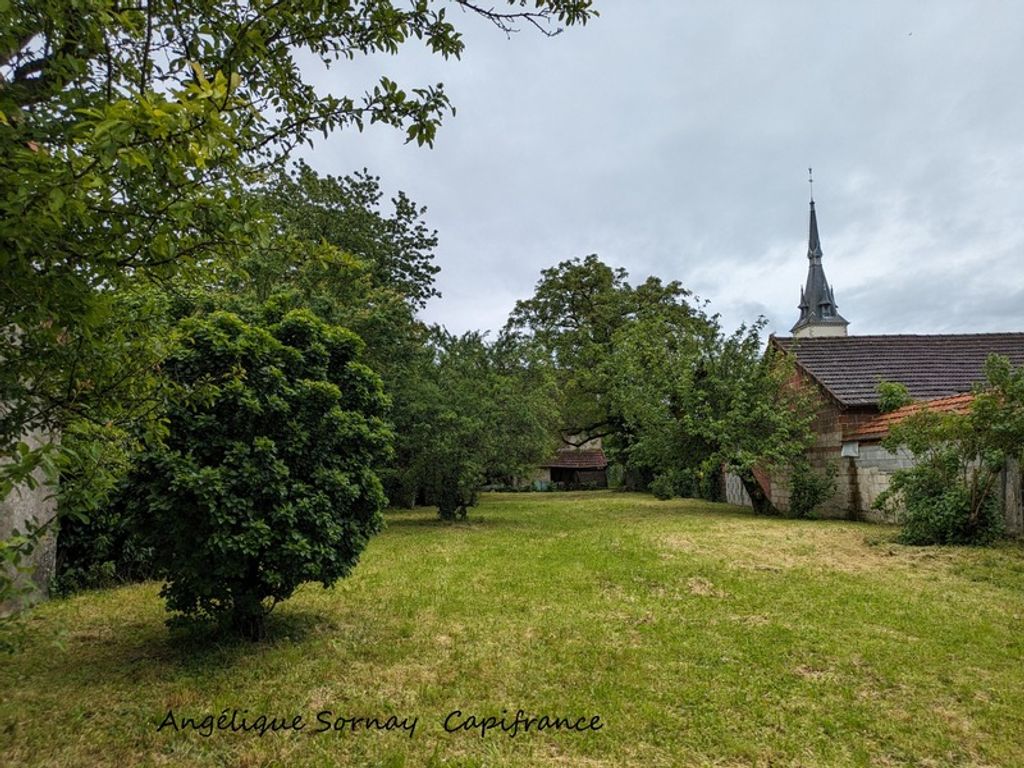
[673, 138]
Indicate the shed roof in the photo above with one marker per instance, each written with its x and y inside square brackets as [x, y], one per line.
[878, 427]
[571, 458]
[937, 365]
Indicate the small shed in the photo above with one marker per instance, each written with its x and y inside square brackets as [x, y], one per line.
[578, 468]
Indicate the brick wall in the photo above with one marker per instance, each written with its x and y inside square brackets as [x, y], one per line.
[856, 489]
[828, 429]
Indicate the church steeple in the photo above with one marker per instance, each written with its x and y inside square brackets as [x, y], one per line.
[813, 241]
[819, 315]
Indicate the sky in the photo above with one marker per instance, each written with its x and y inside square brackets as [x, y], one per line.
[673, 138]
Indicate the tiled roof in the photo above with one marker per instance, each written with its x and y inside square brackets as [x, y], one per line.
[878, 427]
[939, 365]
[570, 458]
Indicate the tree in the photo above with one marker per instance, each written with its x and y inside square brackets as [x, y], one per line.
[673, 396]
[298, 267]
[698, 401]
[479, 413]
[346, 213]
[749, 406]
[265, 479]
[578, 308]
[652, 366]
[131, 132]
[336, 252]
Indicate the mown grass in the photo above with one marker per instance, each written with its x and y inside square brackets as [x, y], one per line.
[700, 634]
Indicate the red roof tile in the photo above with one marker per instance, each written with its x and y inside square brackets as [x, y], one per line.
[571, 458]
[878, 427]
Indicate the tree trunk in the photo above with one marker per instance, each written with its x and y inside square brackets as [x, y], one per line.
[248, 620]
[762, 504]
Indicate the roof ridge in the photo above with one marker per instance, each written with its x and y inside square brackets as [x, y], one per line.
[856, 337]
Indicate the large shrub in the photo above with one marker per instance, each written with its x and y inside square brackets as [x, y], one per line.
[809, 489]
[938, 507]
[265, 479]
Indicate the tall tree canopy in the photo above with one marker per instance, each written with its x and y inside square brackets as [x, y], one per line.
[475, 413]
[576, 311]
[128, 132]
[346, 212]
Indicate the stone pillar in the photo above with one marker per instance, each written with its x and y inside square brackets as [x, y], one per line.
[37, 505]
[1013, 510]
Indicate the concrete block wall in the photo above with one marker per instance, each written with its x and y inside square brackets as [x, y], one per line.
[860, 480]
[869, 474]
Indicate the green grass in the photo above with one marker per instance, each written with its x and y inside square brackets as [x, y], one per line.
[701, 635]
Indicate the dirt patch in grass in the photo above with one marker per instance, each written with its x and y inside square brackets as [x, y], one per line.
[815, 545]
[702, 587]
[813, 674]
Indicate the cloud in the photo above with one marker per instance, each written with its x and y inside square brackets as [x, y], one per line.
[673, 139]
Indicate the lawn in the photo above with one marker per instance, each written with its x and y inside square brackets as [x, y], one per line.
[697, 633]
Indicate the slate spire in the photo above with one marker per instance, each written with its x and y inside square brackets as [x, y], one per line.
[819, 315]
[813, 241]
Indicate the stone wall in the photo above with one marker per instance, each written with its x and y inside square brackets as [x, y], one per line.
[1013, 498]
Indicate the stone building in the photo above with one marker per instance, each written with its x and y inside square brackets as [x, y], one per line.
[939, 370]
[575, 465]
[572, 468]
